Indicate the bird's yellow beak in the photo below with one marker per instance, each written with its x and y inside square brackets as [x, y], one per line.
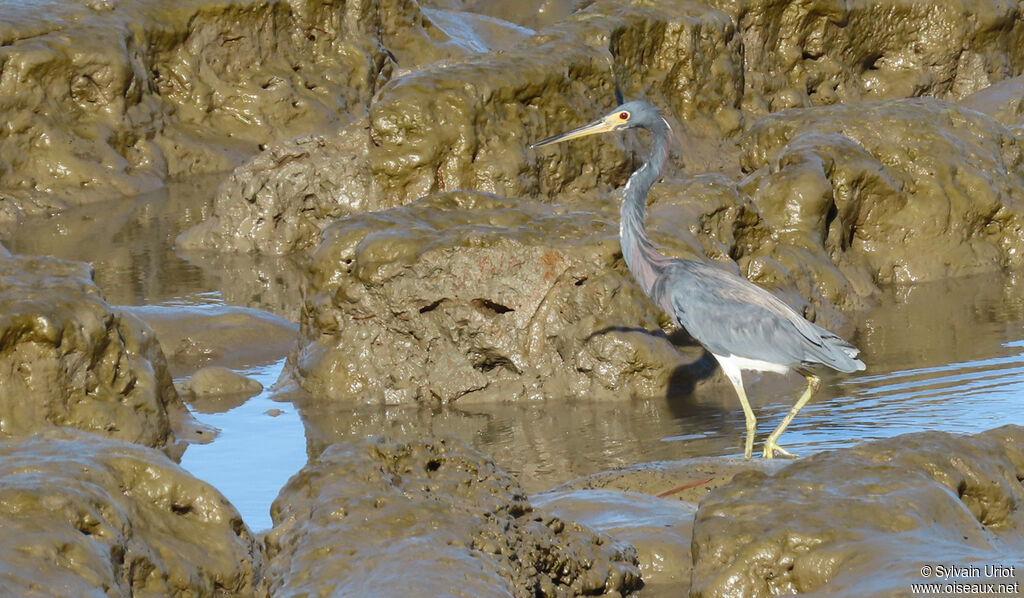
[604, 125]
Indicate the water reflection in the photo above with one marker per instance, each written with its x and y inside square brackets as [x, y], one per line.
[130, 243]
[543, 442]
[269, 282]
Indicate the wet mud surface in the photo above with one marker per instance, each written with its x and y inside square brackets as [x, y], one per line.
[84, 515]
[477, 303]
[200, 337]
[316, 235]
[70, 360]
[461, 517]
[765, 535]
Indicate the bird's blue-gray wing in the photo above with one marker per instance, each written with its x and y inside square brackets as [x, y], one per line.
[732, 316]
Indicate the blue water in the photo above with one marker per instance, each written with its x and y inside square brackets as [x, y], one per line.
[256, 451]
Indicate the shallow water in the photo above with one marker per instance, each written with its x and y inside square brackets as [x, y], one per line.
[259, 447]
[941, 356]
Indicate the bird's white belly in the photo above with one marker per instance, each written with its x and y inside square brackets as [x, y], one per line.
[743, 363]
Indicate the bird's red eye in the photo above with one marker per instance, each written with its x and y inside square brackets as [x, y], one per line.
[624, 115]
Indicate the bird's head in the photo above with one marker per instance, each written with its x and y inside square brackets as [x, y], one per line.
[626, 116]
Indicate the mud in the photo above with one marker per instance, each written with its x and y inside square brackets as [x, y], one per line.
[216, 389]
[868, 531]
[658, 529]
[652, 507]
[467, 295]
[501, 287]
[962, 377]
[714, 68]
[382, 518]
[467, 127]
[814, 219]
[194, 337]
[767, 529]
[463, 125]
[545, 443]
[84, 515]
[1002, 101]
[532, 14]
[70, 360]
[123, 96]
[256, 208]
[687, 480]
[826, 53]
[885, 184]
[839, 201]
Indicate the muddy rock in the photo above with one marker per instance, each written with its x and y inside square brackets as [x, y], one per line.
[838, 201]
[88, 516]
[652, 507]
[383, 518]
[710, 66]
[823, 53]
[280, 201]
[467, 295]
[868, 531]
[123, 95]
[68, 359]
[216, 389]
[904, 191]
[468, 125]
[215, 380]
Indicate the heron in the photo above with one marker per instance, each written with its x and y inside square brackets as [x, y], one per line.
[741, 324]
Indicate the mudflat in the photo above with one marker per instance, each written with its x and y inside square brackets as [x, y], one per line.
[294, 226]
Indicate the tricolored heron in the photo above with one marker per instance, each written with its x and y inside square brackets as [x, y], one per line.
[744, 326]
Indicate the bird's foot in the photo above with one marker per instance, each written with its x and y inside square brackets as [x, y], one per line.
[771, 448]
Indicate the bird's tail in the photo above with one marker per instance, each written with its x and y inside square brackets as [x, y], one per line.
[844, 354]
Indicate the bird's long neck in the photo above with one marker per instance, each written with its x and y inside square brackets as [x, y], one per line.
[644, 261]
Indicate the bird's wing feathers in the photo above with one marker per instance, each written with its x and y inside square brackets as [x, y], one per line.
[732, 316]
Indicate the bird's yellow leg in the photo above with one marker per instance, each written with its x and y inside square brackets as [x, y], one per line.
[748, 413]
[735, 376]
[771, 445]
